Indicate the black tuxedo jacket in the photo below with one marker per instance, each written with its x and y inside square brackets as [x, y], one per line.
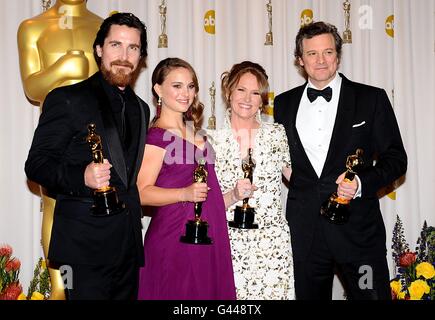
[365, 119]
[57, 160]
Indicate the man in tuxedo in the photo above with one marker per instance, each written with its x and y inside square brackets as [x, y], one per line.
[326, 120]
[100, 254]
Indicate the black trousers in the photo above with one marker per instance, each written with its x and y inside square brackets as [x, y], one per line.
[106, 282]
[365, 279]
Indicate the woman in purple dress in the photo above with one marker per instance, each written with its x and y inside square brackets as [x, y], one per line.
[173, 269]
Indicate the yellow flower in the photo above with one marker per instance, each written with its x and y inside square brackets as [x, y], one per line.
[401, 295]
[417, 289]
[37, 296]
[395, 286]
[426, 270]
[43, 264]
[22, 296]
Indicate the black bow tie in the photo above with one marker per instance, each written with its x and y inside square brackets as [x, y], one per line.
[325, 93]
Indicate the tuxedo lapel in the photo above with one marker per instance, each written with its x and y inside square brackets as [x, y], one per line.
[111, 136]
[142, 136]
[342, 127]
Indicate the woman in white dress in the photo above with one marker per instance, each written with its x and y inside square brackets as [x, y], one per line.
[262, 258]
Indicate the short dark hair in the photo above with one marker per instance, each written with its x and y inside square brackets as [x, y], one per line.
[314, 29]
[121, 19]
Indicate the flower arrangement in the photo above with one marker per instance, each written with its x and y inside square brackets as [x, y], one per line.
[39, 288]
[415, 271]
[10, 287]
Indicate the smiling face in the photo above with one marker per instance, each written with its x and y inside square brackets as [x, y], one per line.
[177, 91]
[245, 99]
[120, 55]
[319, 59]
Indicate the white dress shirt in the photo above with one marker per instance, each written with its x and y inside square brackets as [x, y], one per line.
[315, 123]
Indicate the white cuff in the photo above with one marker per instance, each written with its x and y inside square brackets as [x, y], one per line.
[358, 192]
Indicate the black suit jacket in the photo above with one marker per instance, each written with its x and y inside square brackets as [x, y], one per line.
[365, 119]
[57, 160]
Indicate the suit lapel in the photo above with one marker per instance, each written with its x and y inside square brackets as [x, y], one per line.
[342, 127]
[111, 136]
[142, 136]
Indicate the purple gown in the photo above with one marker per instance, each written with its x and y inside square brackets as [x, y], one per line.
[174, 270]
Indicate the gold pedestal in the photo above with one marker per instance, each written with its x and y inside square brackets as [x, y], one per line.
[347, 36]
[163, 41]
[269, 39]
[212, 123]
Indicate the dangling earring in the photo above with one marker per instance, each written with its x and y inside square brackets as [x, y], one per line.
[259, 112]
[159, 107]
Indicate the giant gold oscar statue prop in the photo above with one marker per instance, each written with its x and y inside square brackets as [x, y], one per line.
[196, 230]
[336, 209]
[55, 49]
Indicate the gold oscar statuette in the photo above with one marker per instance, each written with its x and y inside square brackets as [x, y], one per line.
[163, 37]
[269, 34]
[196, 230]
[212, 118]
[347, 34]
[336, 208]
[106, 202]
[244, 215]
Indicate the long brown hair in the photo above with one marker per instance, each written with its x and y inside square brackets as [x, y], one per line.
[163, 68]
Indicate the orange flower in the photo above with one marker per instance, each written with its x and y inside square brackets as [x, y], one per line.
[407, 259]
[13, 265]
[5, 250]
[12, 292]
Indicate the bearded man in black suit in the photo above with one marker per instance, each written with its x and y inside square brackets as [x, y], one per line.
[326, 120]
[103, 253]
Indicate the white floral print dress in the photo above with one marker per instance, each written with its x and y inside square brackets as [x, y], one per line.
[262, 258]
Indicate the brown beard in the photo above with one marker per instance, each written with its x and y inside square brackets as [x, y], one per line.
[120, 78]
